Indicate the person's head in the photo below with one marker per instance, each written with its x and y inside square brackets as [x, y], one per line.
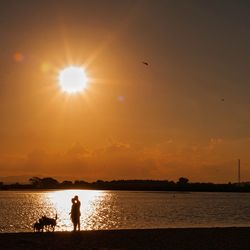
[73, 200]
[76, 198]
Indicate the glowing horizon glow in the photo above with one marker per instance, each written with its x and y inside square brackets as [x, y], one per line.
[73, 79]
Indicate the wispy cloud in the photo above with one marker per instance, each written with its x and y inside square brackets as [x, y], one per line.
[123, 160]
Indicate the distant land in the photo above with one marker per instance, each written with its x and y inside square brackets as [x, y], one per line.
[182, 184]
[24, 179]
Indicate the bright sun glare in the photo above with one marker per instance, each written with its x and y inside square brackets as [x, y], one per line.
[73, 79]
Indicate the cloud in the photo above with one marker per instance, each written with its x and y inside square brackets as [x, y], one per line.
[116, 146]
[12, 162]
[214, 142]
[78, 151]
[77, 148]
[123, 160]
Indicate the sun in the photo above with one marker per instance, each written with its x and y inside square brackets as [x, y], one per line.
[73, 79]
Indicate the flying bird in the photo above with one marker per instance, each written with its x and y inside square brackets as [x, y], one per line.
[222, 99]
[145, 63]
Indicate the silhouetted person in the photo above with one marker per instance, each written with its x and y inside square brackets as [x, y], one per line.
[75, 212]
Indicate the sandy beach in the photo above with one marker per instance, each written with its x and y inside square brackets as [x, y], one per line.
[186, 238]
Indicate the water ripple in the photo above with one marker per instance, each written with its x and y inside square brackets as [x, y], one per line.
[120, 209]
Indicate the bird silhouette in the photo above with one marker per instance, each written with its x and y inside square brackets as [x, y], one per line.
[145, 63]
[222, 99]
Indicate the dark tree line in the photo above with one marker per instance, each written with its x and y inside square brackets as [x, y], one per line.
[47, 182]
[182, 184]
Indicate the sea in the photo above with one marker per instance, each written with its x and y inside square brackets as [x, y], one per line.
[101, 210]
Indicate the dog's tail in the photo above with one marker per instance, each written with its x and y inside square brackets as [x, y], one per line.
[56, 217]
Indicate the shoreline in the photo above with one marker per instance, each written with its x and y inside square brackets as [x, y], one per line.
[169, 238]
[126, 190]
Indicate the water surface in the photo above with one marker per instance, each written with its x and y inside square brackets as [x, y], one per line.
[124, 209]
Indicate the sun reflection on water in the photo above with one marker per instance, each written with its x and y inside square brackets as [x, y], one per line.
[91, 202]
[123, 209]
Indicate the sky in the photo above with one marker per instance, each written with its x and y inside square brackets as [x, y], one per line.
[185, 114]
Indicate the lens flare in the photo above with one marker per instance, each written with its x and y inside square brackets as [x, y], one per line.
[18, 57]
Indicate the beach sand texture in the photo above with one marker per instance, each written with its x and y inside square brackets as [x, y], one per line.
[176, 238]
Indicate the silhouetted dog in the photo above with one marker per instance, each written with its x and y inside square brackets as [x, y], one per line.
[38, 226]
[49, 223]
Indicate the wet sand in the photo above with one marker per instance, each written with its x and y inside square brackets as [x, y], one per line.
[187, 238]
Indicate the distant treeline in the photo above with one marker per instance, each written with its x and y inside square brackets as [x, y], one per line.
[182, 184]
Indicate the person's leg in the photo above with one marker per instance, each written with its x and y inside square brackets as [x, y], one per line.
[75, 224]
[78, 224]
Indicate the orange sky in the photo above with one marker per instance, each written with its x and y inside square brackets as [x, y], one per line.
[132, 122]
